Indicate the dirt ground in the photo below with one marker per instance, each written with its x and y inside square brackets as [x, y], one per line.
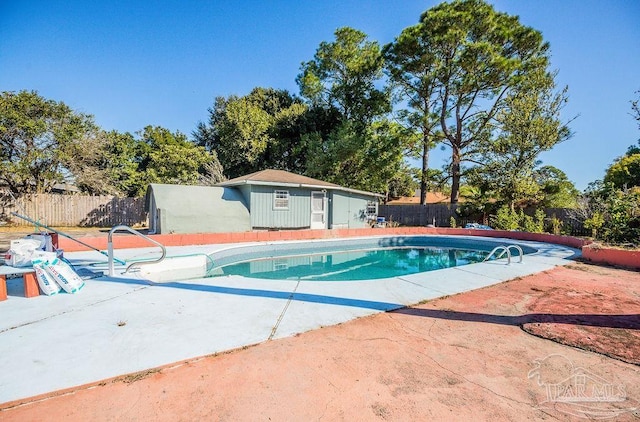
[558, 345]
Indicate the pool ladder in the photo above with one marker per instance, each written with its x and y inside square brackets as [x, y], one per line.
[134, 264]
[505, 249]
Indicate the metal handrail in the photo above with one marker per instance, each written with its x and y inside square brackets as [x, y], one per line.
[519, 249]
[500, 248]
[505, 249]
[137, 233]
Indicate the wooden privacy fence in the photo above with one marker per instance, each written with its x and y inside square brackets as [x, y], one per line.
[73, 210]
[422, 215]
[440, 216]
[570, 224]
[108, 211]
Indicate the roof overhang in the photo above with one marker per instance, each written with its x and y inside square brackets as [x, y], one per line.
[299, 185]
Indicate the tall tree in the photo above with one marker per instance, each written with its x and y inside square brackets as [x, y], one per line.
[482, 55]
[129, 162]
[412, 67]
[92, 168]
[526, 125]
[36, 138]
[624, 172]
[256, 131]
[344, 75]
[369, 161]
[363, 149]
[167, 157]
[120, 161]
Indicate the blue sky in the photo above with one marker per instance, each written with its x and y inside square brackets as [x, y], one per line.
[138, 63]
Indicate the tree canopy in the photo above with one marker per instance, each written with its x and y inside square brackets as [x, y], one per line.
[529, 124]
[339, 134]
[263, 129]
[44, 142]
[156, 155]
[412, 67]
[38, 138]
[625, 171]
[343, 75]
[465, 77]
[361, 149]
[557, 191]
[460, 63]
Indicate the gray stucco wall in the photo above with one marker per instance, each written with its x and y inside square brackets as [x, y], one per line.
[246, 194]
[196, 209]
[348, 210]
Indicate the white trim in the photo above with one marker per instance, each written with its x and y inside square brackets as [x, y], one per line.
[323, 213]
[285, 196]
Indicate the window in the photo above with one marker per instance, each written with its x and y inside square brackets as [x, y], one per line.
[281, 264]
[281, 200]
[371, 209]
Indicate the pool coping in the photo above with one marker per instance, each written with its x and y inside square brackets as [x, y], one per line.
[121, 325]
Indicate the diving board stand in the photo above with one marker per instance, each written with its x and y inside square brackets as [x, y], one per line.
[29, 281]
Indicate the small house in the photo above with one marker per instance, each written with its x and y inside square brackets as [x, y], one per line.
[264, 200]
[279, 199]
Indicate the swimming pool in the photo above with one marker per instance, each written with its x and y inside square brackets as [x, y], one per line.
[367, 264]
[352, 259]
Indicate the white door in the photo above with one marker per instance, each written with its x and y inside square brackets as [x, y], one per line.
[318, 210]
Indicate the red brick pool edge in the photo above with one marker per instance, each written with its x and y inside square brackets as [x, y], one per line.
[612, 256]
[592, 253]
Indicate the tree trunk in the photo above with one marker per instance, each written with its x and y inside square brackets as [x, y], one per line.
[455, 175]
[425, 168]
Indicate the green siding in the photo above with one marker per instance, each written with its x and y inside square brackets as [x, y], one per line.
[263, 214]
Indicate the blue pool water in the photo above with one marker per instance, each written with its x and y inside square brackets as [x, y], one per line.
[354, 264]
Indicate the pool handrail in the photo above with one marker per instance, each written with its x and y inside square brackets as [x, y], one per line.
[519, 249]
[137, 233]
[505, 249]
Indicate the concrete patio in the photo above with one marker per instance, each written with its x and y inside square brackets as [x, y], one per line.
[121, 325]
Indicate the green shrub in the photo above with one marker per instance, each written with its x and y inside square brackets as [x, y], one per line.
[508, 219]
[555, 225]
[613, 215]
[622, 220]
[538, 221]
[595, 223]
